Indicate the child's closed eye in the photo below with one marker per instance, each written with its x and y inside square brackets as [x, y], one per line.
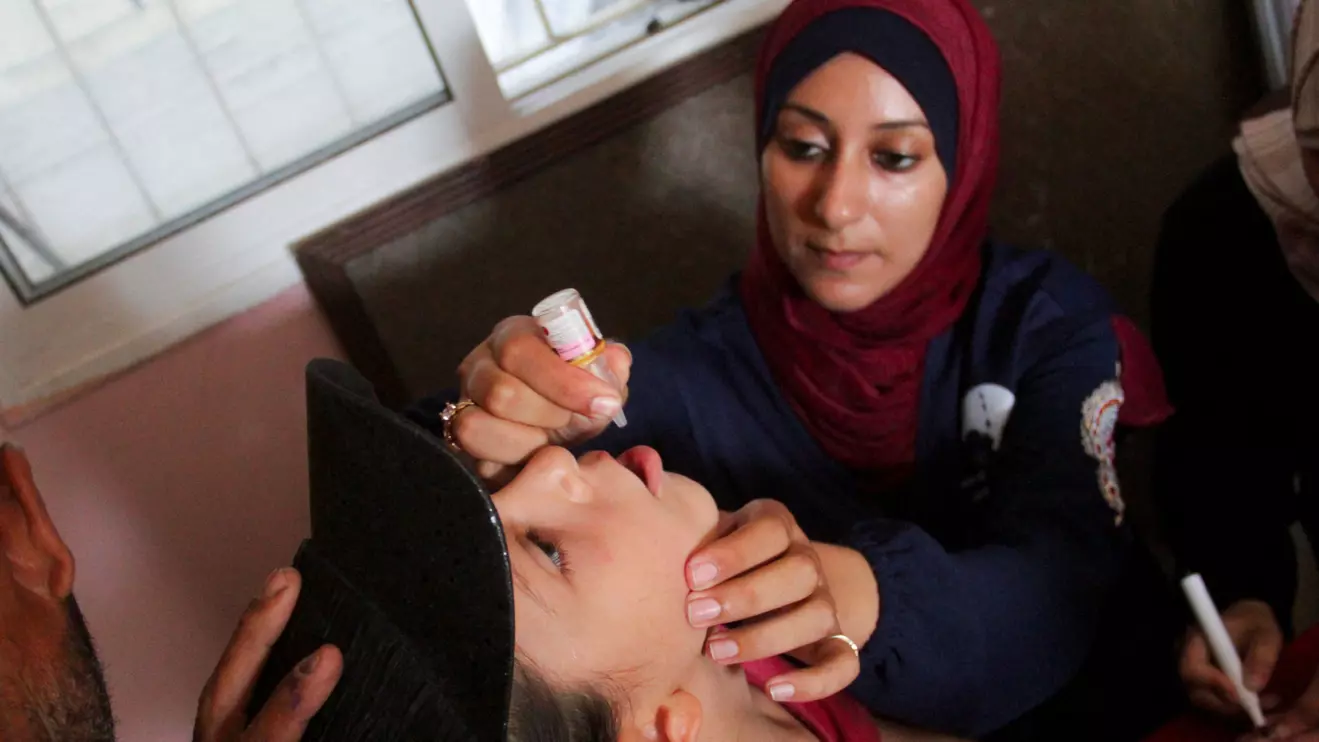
[550, 549]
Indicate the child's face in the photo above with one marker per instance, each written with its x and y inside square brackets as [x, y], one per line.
[599, 549]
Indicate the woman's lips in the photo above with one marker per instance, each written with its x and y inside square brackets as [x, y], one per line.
[840, 260]
[645, 462]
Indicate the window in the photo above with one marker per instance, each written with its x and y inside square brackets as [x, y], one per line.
[531, 42]
[1273, 24]
[122, 121]
[158, 157]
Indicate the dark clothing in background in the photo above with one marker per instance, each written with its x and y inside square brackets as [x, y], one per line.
[1239, 342]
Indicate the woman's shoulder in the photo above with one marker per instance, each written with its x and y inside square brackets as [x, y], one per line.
[1036, 289]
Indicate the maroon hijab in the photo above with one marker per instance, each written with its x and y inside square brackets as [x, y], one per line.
[855, 379]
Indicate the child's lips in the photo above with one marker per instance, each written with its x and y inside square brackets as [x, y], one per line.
[646, 463]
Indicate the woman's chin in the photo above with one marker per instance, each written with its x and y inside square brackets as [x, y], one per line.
[841, 293]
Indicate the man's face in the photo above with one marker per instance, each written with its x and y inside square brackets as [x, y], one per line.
[52, 688]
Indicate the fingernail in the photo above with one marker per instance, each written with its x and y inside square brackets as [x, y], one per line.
[782, 692]
[650, 732]
[722, 649]
[703, 610]
[580, 424]
[307, 666]
[602, 407]
[275, 583]
[703, 575]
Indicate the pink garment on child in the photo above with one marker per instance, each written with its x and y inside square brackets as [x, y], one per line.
[835, 719]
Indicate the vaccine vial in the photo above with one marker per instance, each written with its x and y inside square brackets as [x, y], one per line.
[571, 331]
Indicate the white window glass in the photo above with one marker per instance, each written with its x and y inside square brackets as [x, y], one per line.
[534, 42]
[122, 121]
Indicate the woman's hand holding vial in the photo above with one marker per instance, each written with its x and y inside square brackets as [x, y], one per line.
[527, 396]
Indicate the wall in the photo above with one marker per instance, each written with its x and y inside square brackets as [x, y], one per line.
[178, 486]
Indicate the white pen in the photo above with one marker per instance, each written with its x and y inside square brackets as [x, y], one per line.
[1225, 654]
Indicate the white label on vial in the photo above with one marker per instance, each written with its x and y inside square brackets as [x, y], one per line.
[569, 335]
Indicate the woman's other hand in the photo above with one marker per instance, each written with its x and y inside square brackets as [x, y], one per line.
[1258, 639]
[766, 579]
[527, 397]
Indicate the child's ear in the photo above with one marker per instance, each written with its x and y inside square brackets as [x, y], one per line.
[678, 719]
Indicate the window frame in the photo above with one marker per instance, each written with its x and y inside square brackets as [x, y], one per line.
[240, 257]
[1273, 24]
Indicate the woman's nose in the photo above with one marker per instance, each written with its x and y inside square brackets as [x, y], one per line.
[844, 195]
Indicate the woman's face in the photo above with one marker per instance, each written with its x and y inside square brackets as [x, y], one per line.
[599, 548]
[853, 186]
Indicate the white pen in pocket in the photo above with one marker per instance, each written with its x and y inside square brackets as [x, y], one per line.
[572, 332]
[1225, 654]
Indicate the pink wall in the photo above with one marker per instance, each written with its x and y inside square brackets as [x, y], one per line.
[178, 486]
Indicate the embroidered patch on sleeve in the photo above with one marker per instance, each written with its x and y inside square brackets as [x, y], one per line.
[1099, 416]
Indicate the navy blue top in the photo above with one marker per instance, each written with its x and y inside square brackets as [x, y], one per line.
[994, 563]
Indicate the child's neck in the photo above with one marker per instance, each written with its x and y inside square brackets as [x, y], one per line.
[734, 710]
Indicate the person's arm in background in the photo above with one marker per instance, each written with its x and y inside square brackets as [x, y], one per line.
[1221, 516]
[1222, 481]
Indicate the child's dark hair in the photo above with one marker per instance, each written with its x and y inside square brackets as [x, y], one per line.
[539, 713]
[388, 690]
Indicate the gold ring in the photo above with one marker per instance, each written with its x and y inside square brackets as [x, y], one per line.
[848, 641]
[449, 412]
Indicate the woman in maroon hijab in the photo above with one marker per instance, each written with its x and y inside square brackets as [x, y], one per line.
[935, 411]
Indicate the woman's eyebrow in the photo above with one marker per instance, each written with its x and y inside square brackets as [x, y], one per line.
[809, 113]
[823, 120]
[902, 124]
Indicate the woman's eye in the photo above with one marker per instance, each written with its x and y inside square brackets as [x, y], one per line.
[895, 162]
[548, 548]
[796, 149]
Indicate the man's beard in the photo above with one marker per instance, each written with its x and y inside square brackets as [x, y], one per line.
[73, 705]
